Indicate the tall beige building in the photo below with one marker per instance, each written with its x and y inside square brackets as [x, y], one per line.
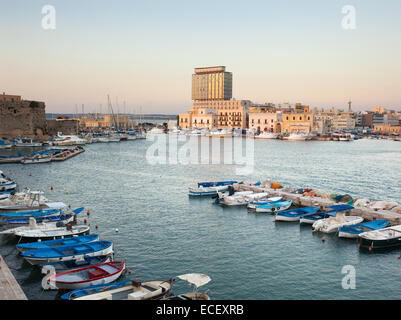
[213, 106]
[212, 83]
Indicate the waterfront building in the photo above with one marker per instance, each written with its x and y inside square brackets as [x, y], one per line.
[387, 129]
[9, 98]
[212, 83]
[297, 123]
[343, 121]
[265, 121]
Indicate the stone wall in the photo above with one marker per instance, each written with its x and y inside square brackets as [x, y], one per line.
[66, 126]
[23, 119]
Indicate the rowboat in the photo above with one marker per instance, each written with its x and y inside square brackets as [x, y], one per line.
[216, 184]
[294, 214]
[274, 207]
[52, 233]
[355, 230]
[75, 264]
[130, 290]
[102, 273]
[311, 218]
[332, 224]
[254, 204]
[65, 253]
[197, 280]
[381, 239]
[242, 200]
[57, 243]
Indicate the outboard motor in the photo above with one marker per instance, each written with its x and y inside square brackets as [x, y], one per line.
[231, 190]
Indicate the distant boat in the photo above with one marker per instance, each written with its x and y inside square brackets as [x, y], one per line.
[39, 158]
[71, 252]
[267, 135]
[242, 200]
[221, 133]
[156, 130]
[311, 218]
[208, 191]
[332, 224]
[6, 184]
[355, 230]
[4, 145]
[298, 137]
[381, 239]
[274, 207]
[294, 214]
[26, 142]
[22, 247]
[102, 273]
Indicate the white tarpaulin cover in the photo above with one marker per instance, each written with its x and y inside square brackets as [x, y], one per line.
[196, 279]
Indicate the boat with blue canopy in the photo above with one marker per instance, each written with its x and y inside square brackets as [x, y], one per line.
[254, 204]
[29, 214]
[311, 218]
[294, 214]
[274, 207]
[68, 252]
[57, 243]
[354, 231]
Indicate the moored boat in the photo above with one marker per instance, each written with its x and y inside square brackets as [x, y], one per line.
[294, 214]
[254, 204]
[381, 239]
[39, 158]
[267, 135]
[242, 200]
[57, 243]
[197, 280]
[75, 264]
[311, 218]
[102, 273]
[355, 230]
[332, 224]
[274, 207]
[68, 252]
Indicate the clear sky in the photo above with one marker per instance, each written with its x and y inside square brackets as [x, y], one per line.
[143, 52]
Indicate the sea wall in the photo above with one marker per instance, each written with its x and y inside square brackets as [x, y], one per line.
[66, 126]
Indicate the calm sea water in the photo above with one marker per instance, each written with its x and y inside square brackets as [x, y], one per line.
[163, 233]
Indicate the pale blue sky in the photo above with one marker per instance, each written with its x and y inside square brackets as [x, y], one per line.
[144, 52]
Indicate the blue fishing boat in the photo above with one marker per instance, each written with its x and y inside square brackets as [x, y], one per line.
[29, 214]
[46, 218]
[311, 218]
[71, 252]
[75, 264]
[354, 231]
[274, 207]
[94, 289]
[57, 243]
[294, 214]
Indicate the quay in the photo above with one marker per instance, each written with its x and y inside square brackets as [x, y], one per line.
[300, 200]
[9, 287]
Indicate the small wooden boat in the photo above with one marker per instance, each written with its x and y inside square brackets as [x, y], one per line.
[333, 223]
[89, 276]
[311, 218]
[254, 204]
[381, 239]
[75, 264]
[132, 290]
[39, 158]
[57, 243]
[197, 280]
[29, 214]
[216, 184]
[294, 214]
[206, 191]
[355, 230]
[242, 200]
[274, 207]
[65, 253]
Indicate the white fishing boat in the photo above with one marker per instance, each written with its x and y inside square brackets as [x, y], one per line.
[68, 140]
[27, 142]
[206, 191]
[6, 183]
[267, 135]
[273, 207]
[27, 200]
[242, 200]
[156, 130]
[4, 145]
[298, 137]
[194, 279]
[332, 224]
[221, 133]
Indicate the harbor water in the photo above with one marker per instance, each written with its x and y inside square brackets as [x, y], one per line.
[162, 233]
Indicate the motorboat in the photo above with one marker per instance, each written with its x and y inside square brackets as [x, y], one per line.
[332, 212]
[332, 224]
[6, 184]
[236, 200]
[266, 135]
[27, 142]
[29, 200]
[254, 204]
[354, 231]
[221, 133]
[193, 279]
[68, 140]
[39, 158]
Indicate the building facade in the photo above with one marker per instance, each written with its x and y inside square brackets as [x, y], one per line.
[212, 83]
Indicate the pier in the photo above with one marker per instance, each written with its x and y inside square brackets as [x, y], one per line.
[9, 287]
[300, 200]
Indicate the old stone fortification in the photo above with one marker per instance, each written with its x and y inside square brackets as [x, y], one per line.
[22, 118]
[66, 126]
